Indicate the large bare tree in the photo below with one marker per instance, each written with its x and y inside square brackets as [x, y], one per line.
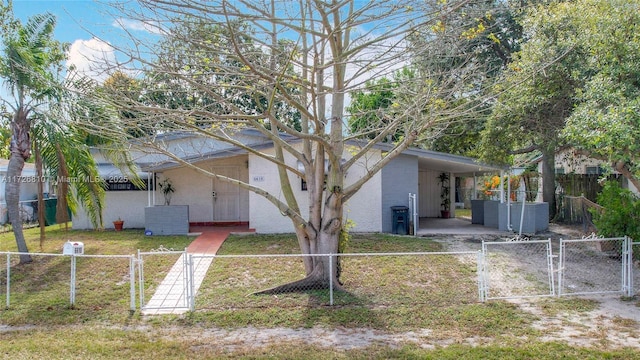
[288, 67]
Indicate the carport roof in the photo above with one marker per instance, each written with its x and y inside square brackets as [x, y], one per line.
[443, 162]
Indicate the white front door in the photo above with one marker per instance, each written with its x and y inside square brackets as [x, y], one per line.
[225, 196]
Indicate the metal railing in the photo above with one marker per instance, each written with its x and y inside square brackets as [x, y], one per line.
[501, 270]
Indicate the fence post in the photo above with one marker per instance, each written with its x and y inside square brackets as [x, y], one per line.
[627, 270]
[550, 267]
[561, 267]
[8, 278]
[631, 283]
[191, 298]
[479, 272]
[141, 278]
[484, 271]
[331, 279]
[132, 282]
[72, 285]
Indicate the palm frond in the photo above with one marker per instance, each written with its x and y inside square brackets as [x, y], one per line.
[69, 162]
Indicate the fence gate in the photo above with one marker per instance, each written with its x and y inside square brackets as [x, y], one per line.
[173, 294]
[516, 269]
[595, 265]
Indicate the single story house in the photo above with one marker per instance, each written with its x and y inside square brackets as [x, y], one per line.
[209, 201]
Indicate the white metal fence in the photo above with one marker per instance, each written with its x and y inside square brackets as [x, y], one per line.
[517, 269]
[65, 268]
[594, 266]
[586, 266]
[167, 285]
[233, 280]
[169, 280]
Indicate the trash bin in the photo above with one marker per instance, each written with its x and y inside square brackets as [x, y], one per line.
[50, 211]
[400, 224]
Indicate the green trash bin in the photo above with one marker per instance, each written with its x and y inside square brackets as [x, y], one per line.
[50, 211]
[400, 223]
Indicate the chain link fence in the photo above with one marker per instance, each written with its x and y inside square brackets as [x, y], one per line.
[169, 280]
[163, 281]
[432, 278]
[250, 281]
[69, 279]
[517, 269]
[594, 265]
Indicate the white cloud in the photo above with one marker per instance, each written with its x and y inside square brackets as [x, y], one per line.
[136, 25]
[93, 58]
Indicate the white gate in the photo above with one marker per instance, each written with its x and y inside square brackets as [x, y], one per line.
[593, 265]
[173, 294]
[517, 269]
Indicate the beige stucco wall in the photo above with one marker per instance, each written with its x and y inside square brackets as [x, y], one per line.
[127, 205]
[364, 208]
[192, 188]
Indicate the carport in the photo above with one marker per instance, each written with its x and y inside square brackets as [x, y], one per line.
[431, 164]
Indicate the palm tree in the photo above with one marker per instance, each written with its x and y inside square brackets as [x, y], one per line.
[64, 153]
[31, 59]
[50, 113]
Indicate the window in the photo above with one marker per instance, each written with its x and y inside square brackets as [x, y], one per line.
[594, 170]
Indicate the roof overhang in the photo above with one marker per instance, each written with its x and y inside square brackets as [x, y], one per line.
[456, 164]
[427, 159]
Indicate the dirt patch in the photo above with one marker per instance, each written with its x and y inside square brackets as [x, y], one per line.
[614, 324]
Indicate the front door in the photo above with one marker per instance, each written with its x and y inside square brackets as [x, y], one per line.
[225, 196]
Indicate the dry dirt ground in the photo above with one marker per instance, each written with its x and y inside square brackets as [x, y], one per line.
[615, 323]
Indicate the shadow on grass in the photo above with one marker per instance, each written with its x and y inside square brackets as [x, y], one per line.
[348, 310]
[303, 309]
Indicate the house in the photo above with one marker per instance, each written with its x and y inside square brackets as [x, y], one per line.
[578, 174]
[205, 201]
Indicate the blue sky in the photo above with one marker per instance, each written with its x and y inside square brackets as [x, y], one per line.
[94, 34]
[88, 26]
[72, 16]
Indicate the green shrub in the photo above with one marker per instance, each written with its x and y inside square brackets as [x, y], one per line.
[621, 213]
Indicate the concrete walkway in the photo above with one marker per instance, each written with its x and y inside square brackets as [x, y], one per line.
[170, 297]
[456, 226]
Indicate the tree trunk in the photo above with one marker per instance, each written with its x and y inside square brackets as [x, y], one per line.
[324, 269]
[549, 180]
[40, 182]
[62, 212]
[20, 151]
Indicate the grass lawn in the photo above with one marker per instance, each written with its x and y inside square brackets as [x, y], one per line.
[40, 324]
[465, 213]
